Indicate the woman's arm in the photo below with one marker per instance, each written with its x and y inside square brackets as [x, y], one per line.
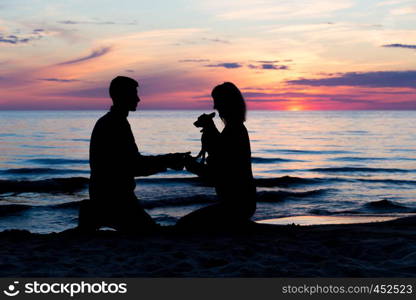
[195, 167]
[203, 171]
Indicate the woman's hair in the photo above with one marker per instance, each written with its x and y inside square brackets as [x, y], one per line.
[229, 102]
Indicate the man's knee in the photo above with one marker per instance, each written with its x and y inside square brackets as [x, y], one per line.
[87, 218]
[127, 217]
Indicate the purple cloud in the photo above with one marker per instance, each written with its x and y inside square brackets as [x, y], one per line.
[378, 104]
[231, 65]
[405, 79]
[277, 96]
[58, 80]
[285, 94]
[95, 92]
[216, 40]
[95, 53]
[70, 22]
[400, 46]
[269, 66]
[267, 61]
[14, 39]
[149, 86]
[193, 60]
[73, 22]
[267, 100]
[274, 67]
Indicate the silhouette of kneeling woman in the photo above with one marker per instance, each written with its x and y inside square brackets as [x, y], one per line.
[228, 167]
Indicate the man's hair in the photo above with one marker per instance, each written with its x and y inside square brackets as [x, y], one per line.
[119, 85]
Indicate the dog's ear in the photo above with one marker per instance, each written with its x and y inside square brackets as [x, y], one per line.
[211, 115]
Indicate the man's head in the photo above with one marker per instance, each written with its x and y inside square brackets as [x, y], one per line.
[123, 92]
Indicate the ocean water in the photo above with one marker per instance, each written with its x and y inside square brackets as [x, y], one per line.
[305, 163]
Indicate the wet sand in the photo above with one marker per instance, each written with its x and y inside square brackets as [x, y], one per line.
[328, 220]
[381, 249]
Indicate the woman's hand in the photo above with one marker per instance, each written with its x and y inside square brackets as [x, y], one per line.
[193, 166]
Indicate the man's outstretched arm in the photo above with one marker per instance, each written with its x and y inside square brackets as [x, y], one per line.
[152, 164]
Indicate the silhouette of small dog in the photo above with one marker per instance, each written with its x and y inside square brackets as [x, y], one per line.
[205, 122]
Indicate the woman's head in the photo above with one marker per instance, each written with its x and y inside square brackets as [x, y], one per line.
[229, 102]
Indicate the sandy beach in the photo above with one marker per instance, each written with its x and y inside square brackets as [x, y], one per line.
[383, 249]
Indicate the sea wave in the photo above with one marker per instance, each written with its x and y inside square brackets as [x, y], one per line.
[40, 171]
[265, 196]
[388, 181]
[383, 206]
[360, 169]
[181, 201]
[39, 146]
[286, 181]
[74, 184]
[279, 196]
[263, 160]
[321, 212]
[51, 185]
[57, 161]
[312, 152]
[13, 209]
[357, 158]
[386, 204]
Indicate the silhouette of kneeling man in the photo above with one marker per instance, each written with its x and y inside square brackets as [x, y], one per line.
[115, 161]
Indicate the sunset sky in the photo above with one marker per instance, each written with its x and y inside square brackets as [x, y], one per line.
[283, 55]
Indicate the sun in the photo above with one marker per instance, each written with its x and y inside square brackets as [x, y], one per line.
[295, 108]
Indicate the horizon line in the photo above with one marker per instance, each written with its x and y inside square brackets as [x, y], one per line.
[199, 109]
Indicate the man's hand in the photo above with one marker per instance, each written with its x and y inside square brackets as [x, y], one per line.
[176, 161]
